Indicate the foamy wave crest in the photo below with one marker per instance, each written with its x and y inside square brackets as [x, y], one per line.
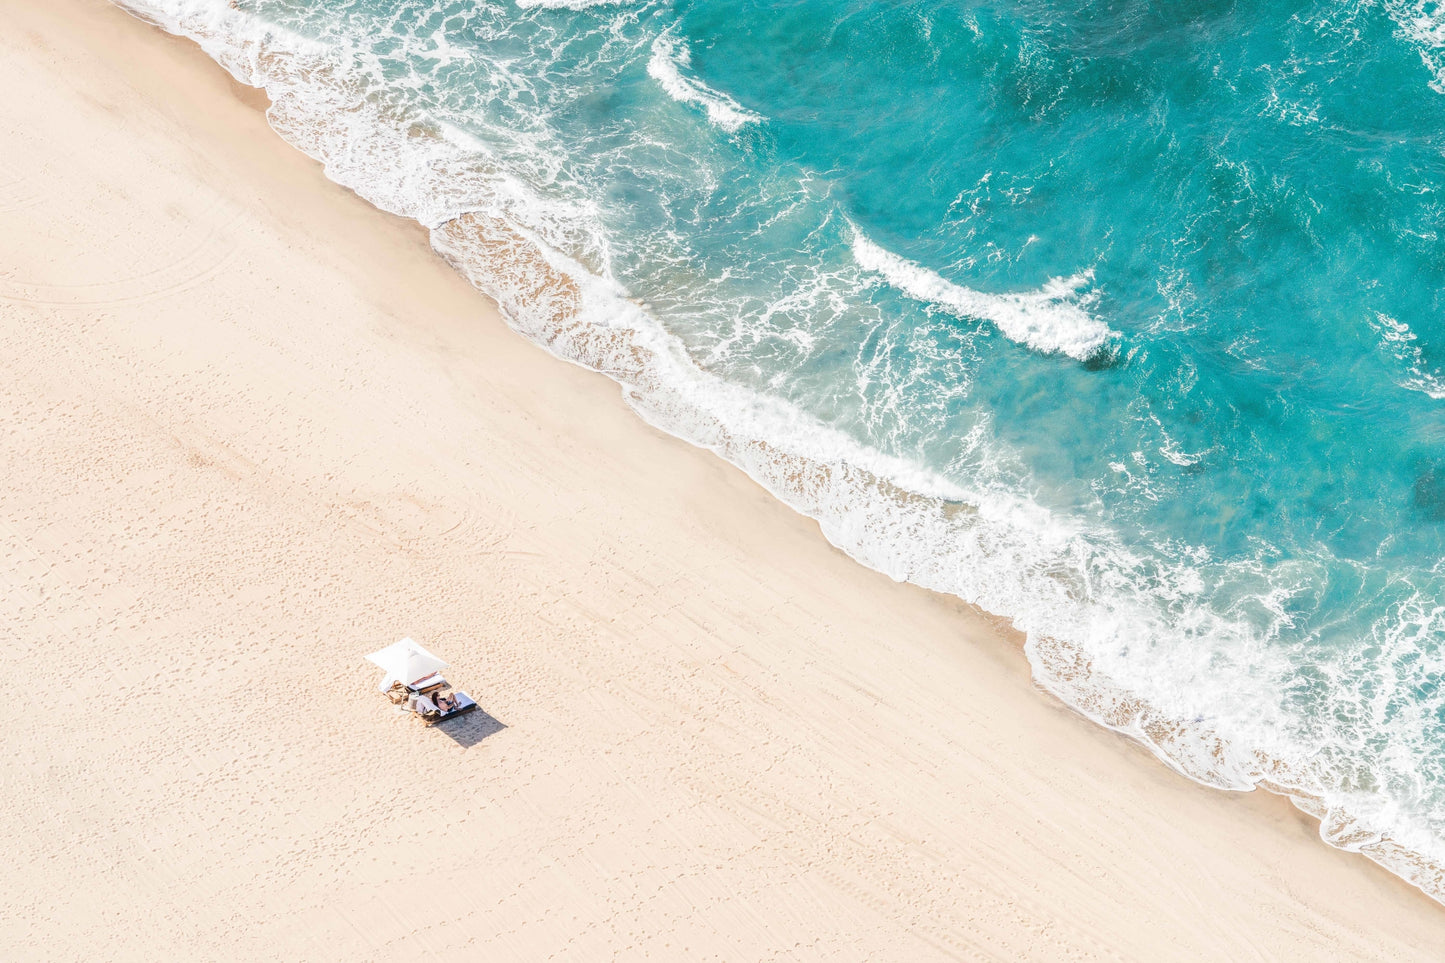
[1122, 636]
[1400, 342]
[670, 58]
[1051, 320]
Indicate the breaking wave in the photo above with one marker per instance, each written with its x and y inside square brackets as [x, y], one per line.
[1051, 321]
[670, 57]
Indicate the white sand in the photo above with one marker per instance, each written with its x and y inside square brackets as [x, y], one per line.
[253, 429]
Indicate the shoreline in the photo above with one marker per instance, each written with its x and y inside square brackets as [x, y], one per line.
[801, 744]
[823, 474]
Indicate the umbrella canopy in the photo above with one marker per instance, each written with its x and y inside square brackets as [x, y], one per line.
[405, 661]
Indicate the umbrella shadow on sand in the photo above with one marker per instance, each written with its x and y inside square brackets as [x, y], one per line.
[470, 729]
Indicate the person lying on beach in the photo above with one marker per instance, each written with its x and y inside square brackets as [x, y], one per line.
[446, 703]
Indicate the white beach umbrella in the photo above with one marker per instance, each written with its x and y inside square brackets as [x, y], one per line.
[405, 661]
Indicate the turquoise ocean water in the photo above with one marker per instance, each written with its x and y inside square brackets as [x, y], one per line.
[1125, 320]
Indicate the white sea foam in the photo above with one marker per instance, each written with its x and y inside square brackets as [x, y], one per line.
[670, 57]
[1123, 637]
[1422, 24]
[567, 4]
[1051, 320]
[1184, 459]
[1401, 343]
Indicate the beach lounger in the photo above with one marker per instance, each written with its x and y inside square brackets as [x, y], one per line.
[408, 660]
[464, 705]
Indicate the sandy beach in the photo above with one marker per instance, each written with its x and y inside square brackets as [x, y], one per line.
[255, 429]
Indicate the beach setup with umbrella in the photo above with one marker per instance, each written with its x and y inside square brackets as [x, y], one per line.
[413, 679]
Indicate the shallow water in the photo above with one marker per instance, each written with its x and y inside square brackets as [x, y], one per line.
[1122, 321]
